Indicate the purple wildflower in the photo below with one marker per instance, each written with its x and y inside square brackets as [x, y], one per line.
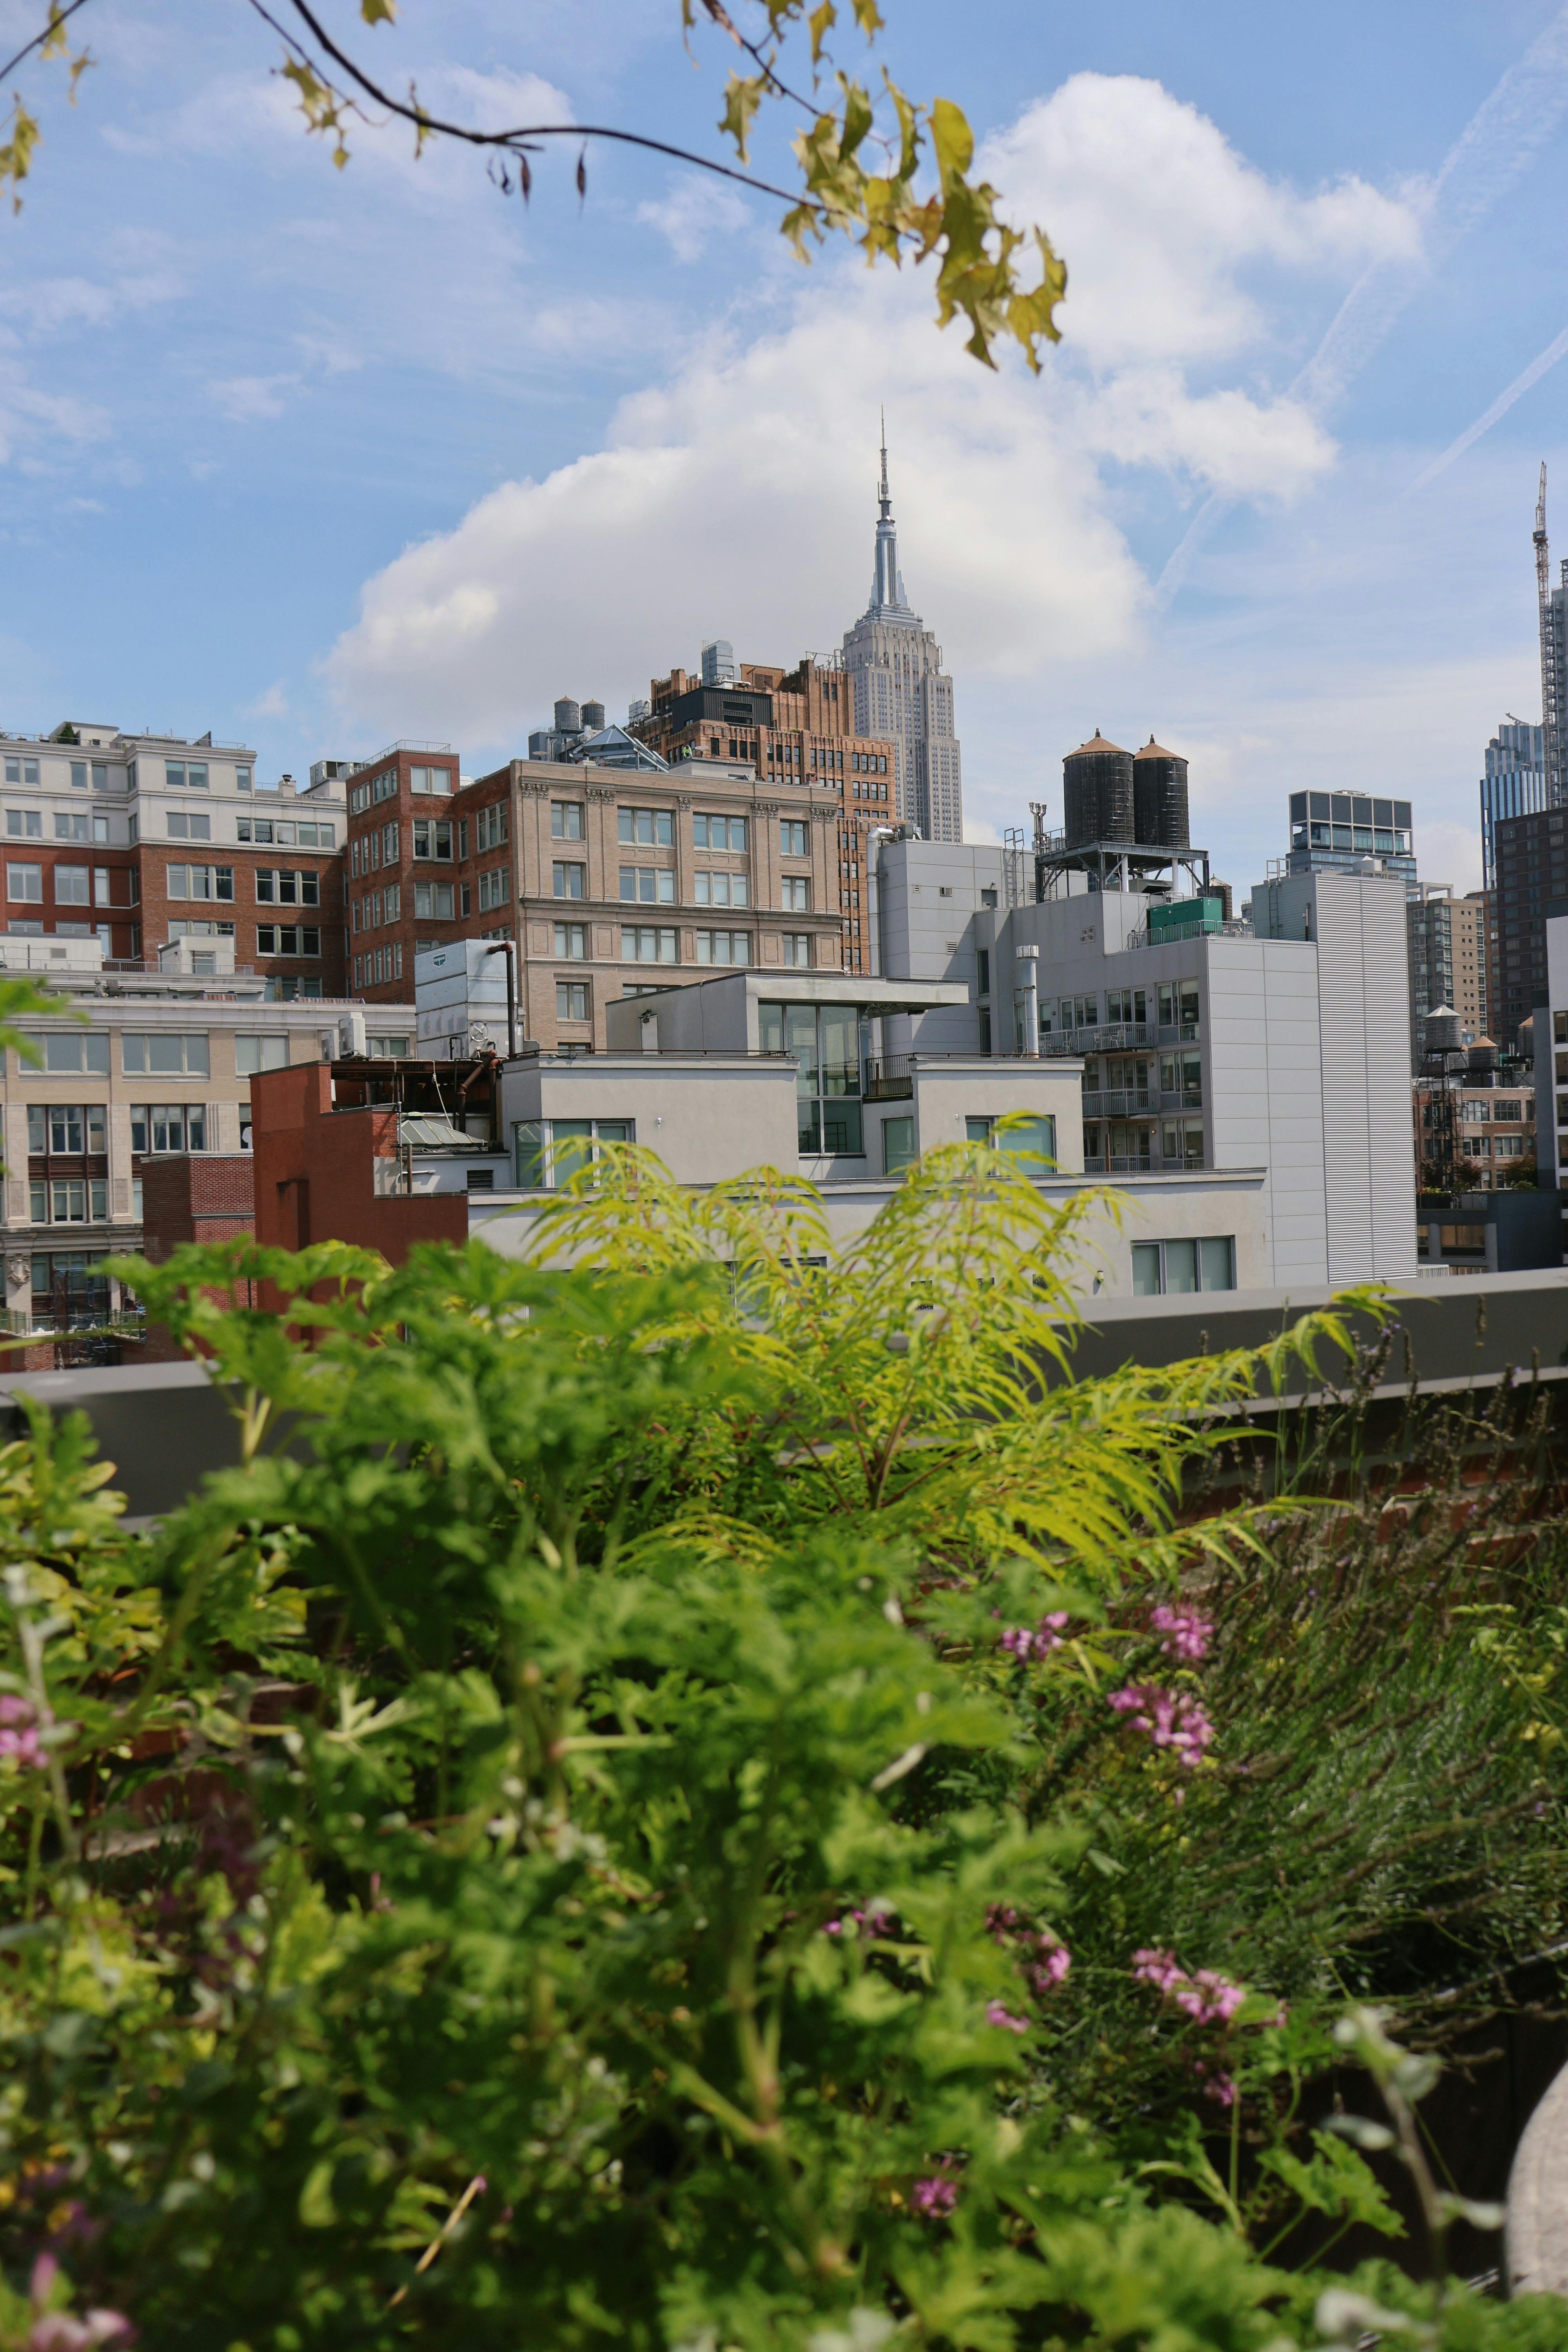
[1038, 1640]
[934, 2197]
[1171, 1718]
[1186, 1632]
[1053, 1966]
[1206, 1997]
[997, 2015]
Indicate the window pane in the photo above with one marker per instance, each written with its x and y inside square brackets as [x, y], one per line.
[978, 1131]
[1218, 1258]
[898, 1144]
[1146, 1269]
[841, 1131]
[573, 1147]
[840, 1050]
[1180, 1265]
[1035, 1138]
[528, 1144]
[800, 1038]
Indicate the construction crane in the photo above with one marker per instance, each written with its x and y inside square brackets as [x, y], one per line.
[1549, 665]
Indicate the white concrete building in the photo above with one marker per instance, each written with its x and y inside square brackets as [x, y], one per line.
[750, 1070]
[1281, 1049]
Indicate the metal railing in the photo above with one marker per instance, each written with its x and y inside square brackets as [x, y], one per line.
[1130, 1164]
[892, 1079]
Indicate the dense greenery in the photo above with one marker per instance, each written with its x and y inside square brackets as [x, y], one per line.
[716, 1799]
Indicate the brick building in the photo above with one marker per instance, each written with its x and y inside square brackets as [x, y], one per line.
[796, 727]
[408, 881]
[622, 882]
[135, 840]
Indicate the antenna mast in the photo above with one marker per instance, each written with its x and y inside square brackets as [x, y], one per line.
[1549, 665]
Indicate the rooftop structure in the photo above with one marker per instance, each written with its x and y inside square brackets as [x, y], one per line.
[1336, 833]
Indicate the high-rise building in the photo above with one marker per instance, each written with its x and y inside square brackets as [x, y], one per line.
[1336, 833]
[902, 691]
[1447, 941]
[1531, 880]
[1514, 783]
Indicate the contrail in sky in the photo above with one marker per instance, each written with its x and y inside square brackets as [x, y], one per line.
[1497, 146]
[1499, 407]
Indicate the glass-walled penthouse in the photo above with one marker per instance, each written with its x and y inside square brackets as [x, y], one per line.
[1335, 831]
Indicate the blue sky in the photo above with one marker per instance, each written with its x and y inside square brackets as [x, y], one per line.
[322, 458]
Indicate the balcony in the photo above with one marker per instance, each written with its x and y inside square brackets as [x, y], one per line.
[1149, 1163]
[892, 1079]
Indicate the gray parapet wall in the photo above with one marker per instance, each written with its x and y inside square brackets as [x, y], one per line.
[1538, 2199]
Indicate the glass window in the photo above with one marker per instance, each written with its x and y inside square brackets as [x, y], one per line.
[1180, 1265]
[643, 943]
[572, 941]
[25, 885]
[1029, 1138]
[795, 894]
[27, 824]
[720, 833]
[798, 949]
[570, 881]
[253, 1053]
[1146, 1269]
[723, 947]
[432, 901]
[650, 885]
[21, 772]
[791, 837]
[73, 886]
[1217, 1262]
[571, 1000]
[653, 827]
[149, 1054]
[566, 820]
[898, 1144]
[721, 889]
[978, 1131]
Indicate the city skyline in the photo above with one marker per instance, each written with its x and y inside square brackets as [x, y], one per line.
[1248, 492]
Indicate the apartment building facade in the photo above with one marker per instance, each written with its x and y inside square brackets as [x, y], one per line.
[135, 840]
[408, 873]
[798, 730]
[1274, 1045]
[161, 1066]
[616, 882]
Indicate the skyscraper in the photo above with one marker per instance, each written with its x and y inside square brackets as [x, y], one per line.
[902, 693]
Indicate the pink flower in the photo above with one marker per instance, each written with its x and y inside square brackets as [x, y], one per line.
[1187, 1631]
[934, 2197]
[15, 1710]
[997, 2015]
[1206, 1997]
[22, 1744]
[1053, 1966]
[1038, 1640]
[1171, 1718]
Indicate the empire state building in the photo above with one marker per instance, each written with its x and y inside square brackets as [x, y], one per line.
[902, 693]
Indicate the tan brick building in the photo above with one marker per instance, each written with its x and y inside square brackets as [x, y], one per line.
[796, 727]
[618, 882]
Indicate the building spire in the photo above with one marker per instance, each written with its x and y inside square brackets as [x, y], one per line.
[887, 587]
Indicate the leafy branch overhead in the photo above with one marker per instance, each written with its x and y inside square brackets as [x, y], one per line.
[893, 175]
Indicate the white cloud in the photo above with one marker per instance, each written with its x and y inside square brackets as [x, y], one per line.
[694, 211]
[738, 496]
[1161, 219]
[250, 399]
[273, 704]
